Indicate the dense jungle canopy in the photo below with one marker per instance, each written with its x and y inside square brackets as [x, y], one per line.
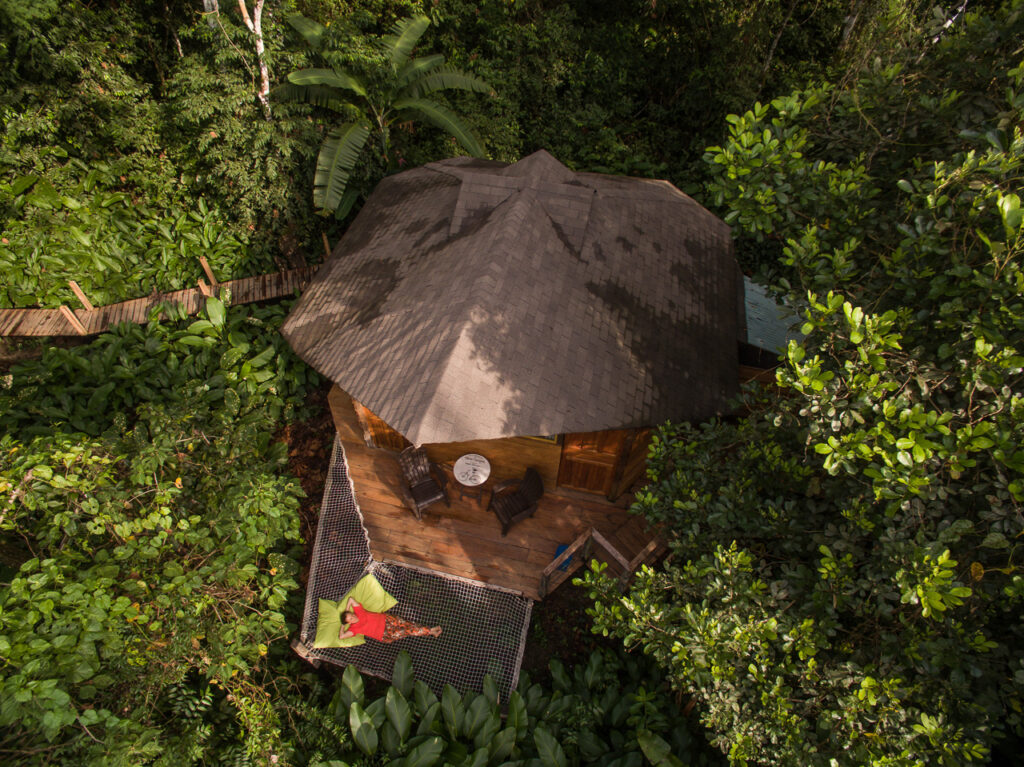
[843, 586]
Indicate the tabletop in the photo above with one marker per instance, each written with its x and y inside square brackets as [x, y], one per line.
[472, 469]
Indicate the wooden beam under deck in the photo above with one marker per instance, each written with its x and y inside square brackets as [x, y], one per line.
[465, 539]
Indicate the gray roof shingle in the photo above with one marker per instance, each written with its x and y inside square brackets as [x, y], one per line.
[475, 300]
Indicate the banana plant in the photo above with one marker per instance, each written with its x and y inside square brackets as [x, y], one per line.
[397, 93]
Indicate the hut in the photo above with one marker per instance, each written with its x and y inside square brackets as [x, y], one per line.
[536, 316]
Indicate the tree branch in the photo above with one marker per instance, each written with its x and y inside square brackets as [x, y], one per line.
[255, 25]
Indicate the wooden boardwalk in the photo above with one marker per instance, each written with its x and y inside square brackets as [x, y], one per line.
[465, 539]
[62, 322]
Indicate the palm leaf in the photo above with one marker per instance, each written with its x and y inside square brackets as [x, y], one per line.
[403, 38]
[417, 67]
[447, 78]
[335, 162]
[444, 119]
[332, 78]
[311, 31]
[321, 95]
[348, 201]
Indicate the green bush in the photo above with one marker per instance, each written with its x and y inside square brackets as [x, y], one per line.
[612, 712]
[141, 474]
[845, 586]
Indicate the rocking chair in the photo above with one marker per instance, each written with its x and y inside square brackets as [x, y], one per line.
[424, 481]
[516, 499]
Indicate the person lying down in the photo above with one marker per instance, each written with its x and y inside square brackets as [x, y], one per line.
[383, 627]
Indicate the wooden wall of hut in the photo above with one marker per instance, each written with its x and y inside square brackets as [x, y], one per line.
[605, 463]
[509, 457]
[633, 463]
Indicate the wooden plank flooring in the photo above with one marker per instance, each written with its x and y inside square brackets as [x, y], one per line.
[50, 322]
[465, 539]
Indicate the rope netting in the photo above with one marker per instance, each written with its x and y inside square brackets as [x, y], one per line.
[484, 627]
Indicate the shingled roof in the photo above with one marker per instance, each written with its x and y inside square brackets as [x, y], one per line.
[473, 300]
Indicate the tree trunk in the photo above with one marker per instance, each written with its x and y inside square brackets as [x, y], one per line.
[255, 25]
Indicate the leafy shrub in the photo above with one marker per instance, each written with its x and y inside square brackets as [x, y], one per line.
[846, 587]
[111, 244]
[142, 475]
[613, 712]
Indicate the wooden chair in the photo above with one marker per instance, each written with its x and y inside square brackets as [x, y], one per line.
[516, 499]
[424, 481]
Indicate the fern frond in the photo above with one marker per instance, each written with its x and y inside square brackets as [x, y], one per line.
[403, 38]
[335, 162]
[444, 119]
[448, 78]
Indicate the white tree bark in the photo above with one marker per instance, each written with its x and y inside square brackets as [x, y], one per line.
[255, 25]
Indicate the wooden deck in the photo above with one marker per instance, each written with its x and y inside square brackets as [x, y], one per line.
[465, 539]
[68, 322]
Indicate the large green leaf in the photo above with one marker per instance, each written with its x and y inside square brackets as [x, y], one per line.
[559, 677]
[363, 731]
[426, 725]
[443, 118]
[398, 712]
[657, 750]
[424, 697]
[517, 713]
[491, 690]
[502, 744]
[334, 165]
[321, 95]
[348, 201]
[426, 754]
[215, 311]
[351, 690]
[376, 711]
[402, 675]
[551, 754]
[312, 32]
[417, 68]
[403, 38]
[332, 78]
[453, 711]
[476, 714]
[590, 745]
[447, 78]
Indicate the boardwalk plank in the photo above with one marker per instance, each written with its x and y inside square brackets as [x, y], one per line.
[49, 322]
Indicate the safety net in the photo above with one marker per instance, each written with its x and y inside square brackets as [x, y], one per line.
[484, 627]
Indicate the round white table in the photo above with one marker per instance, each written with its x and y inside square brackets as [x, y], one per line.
[472, 470]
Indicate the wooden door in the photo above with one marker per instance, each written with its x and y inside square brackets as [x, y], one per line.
[591, 460]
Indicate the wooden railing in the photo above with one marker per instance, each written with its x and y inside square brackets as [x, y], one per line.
[554, 575]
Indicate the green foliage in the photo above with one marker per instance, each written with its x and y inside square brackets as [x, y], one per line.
[109, 243]
[829, 167]
[392, 92]
[846, 587]
[127, 123]
[612, 711]
[637, 88]
[142, 474]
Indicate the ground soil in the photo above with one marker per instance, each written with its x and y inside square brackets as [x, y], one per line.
[559, 627]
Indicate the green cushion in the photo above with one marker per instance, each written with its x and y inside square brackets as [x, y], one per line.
[367, 592]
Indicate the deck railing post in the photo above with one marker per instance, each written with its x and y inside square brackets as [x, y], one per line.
[80, 295]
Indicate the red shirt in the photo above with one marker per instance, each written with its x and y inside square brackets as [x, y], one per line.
[368, 623]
